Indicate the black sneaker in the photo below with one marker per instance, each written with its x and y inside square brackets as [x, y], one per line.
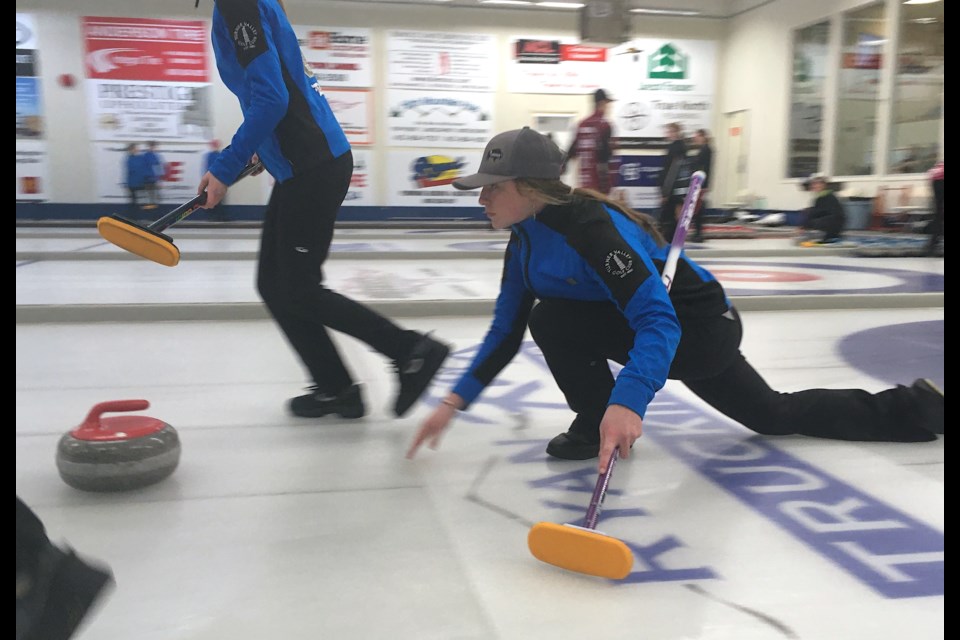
[930, 398]
[417, 370]
[346, 404]
[52, 603]
[580, 442]
[573, 446]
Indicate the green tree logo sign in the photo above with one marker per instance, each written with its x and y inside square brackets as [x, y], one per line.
[668, 63]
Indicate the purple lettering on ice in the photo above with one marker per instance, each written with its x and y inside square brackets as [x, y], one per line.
[885, 549]
[889, 551]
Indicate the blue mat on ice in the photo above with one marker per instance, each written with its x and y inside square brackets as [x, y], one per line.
[884, 245]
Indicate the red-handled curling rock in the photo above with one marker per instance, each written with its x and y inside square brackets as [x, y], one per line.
[118, 453]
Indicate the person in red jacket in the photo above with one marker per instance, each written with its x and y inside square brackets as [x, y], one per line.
[593, 147]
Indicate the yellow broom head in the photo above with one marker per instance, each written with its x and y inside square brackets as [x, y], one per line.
[139, 240]
[579, 549]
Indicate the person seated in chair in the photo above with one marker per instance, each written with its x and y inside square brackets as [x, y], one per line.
[826, 215]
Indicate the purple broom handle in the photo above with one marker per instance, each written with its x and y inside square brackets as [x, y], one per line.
[600, 492]
[679, 237]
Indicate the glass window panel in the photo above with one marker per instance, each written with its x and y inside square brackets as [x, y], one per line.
[807, 96]
[918, 89]
[864, 34]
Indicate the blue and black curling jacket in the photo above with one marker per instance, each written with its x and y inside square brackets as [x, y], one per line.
[592, 252]
[286, 118]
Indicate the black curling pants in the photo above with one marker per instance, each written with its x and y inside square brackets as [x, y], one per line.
[830, 224]
[577, 338]
[935, 228]
[297, 232]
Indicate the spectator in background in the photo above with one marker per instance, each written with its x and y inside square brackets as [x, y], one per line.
[671, 198]
[702, 162]
[134, 177]
[218, 212]
[154, 174]
[935, 228]
[825, 216]
[593, 147]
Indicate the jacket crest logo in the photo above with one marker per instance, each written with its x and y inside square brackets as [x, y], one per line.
[245, 35]
[618, 263]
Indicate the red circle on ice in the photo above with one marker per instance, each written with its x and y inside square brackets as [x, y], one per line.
[760, 275]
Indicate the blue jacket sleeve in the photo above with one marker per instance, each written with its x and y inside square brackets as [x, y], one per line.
[506, 332]
[266, 94]
[640, 294]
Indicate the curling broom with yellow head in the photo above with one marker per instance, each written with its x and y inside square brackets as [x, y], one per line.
[148, 241]
[583, 549]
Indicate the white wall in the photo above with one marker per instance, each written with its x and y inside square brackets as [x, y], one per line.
[754, 72]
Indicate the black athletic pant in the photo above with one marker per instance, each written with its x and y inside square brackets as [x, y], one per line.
[133, 208]
[935, 228]
[667, 217]
[577, 338]
[297, 232]
[698, 220]
[830, 224]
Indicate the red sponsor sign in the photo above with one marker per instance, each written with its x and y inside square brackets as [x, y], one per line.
[319, 39]
[142, 49]
[862, 61]
[537, 51]
[173, 172]
[581, 53]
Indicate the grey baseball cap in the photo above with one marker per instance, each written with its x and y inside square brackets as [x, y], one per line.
[815, 177]
[521, 153]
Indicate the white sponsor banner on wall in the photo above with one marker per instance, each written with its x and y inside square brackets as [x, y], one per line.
[147, 79]
[354, 111]
[662, 81]
[424, 179]
[557, 65]
[447, 119]
[183, 167]
[31, 158]
[142, 111]
[438, 60]
[338, 56]
[32, 174]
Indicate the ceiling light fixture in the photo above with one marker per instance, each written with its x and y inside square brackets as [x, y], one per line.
[513, 2]
[666, 12]
[561, 5]
[920, 1]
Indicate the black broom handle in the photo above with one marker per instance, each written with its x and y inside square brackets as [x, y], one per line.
[187, 208]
